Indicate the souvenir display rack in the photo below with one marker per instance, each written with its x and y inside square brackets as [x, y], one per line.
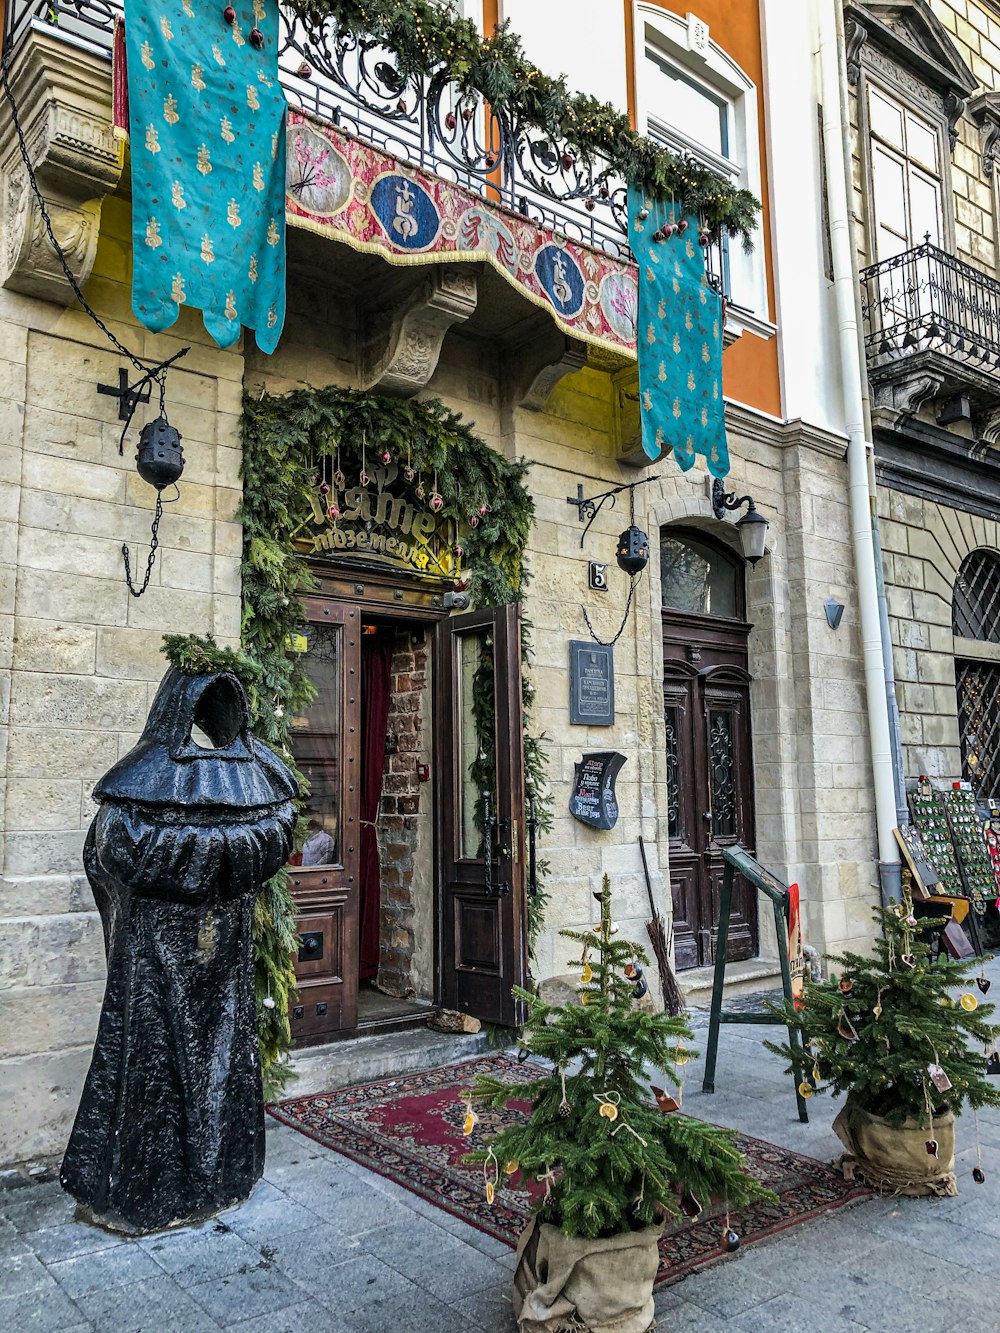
[970, 845]
[931, 818]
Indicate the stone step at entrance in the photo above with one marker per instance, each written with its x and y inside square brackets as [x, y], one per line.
[746, 978]
[341, 1064]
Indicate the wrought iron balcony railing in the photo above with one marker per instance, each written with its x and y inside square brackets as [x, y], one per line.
[927, 304]
[432, 124]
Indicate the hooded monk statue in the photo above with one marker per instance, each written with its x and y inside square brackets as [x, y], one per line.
[171, 1122]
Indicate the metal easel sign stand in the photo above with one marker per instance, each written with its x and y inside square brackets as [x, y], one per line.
[740, 861]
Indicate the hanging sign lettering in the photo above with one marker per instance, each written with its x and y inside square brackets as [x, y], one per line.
[594, 801]
[381, 520]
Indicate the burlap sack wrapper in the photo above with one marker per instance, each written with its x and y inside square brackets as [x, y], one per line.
[895, 1160]
[569, 1284]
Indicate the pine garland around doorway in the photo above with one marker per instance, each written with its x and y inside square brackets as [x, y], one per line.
[284, 437]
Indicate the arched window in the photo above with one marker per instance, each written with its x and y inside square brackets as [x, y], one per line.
[698, 576]
[976, 616]
[976, 604]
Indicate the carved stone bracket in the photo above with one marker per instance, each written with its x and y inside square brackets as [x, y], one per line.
[984, 109]
[403, 356]
[905, 393]
[64, 100]
[534, 367]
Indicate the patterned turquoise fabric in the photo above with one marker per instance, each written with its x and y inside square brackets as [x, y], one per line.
[679, 341]
[207, 126]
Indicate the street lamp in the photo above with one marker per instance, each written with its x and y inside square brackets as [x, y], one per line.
[752, 527]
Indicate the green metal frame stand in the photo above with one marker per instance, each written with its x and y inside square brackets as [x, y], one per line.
[739, 860]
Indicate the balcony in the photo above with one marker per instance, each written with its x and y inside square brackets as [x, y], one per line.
[431, 124]
[932, 338]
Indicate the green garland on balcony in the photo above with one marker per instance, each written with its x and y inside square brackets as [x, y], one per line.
[284, 437]
[429, 38]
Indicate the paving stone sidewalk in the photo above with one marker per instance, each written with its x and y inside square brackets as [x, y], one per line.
[324, 1246]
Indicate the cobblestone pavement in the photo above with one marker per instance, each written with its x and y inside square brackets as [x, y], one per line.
[324, 1246]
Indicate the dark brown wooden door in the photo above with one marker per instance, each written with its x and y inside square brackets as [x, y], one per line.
[326, 745]
[709, 781]
[482, 908]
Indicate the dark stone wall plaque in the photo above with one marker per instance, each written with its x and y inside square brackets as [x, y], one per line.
[591, 684]
[594, 801]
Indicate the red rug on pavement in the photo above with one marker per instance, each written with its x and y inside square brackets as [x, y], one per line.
[409, 1130]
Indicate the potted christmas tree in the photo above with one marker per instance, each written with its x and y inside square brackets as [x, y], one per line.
[891, 1033]
[613, 1163]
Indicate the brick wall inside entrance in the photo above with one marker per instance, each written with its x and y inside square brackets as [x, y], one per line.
[405, 842]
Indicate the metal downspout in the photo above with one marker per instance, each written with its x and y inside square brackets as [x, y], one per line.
[836, 129]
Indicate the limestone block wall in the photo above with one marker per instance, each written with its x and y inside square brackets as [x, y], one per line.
[925, 544]
[79, 657]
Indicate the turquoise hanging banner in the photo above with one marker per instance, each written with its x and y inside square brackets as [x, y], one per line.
[207, 124]
[679, 339]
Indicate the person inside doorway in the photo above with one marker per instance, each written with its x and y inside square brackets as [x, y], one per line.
[320, 847]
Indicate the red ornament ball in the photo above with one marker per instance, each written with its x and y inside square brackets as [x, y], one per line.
[229, 14]
[305, 70]
[449, 121]
[386, 456]
[567, 160]
[490, 161]
[604, 192]
[704, 239]
[401, 107]
[682, 226]
[484, 510]
[256, 38]
[473, 520]
[589, 205]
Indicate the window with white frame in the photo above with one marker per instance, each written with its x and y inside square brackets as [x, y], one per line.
[906, 167]
[695, 99]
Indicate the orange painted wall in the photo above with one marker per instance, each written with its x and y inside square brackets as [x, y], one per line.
[750, 367]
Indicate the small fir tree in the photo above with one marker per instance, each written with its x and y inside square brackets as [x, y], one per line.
[890, 1031]
[610, 1158]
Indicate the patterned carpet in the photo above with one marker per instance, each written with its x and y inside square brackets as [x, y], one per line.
[409, 1130]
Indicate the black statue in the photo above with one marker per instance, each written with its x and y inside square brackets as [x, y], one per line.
[171, 1121]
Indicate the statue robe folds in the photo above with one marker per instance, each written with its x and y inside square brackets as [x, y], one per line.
[171, 1121]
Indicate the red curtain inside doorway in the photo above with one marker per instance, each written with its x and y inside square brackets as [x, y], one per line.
[376, 696]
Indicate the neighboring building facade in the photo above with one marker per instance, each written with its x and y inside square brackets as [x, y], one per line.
[926, 119]
[740, 710]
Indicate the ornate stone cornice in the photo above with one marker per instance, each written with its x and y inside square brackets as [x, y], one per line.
[63, 97]
[903, 41]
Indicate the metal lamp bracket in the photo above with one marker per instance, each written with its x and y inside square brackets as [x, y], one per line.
[588, 507]
[723, 499]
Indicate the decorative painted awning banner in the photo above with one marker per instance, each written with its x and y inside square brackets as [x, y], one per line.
[679, 342]
[341, 187]
[207, 118]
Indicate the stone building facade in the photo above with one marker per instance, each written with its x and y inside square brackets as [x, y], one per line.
[933, 70]
[740, 720]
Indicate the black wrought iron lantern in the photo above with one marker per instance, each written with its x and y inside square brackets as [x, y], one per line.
[633, 550]
[159, 458]
[752, 527]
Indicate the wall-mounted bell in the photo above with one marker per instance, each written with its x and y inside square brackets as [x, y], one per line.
[159, 458]
[633, 550]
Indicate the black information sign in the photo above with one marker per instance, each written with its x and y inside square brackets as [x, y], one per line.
[591, 684]
[594, 801]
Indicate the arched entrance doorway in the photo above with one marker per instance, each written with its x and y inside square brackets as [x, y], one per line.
[706, 704]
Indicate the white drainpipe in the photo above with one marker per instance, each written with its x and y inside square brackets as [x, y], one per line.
[836, 152]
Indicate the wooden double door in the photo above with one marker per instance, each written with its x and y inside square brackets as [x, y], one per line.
[706, 704]
[475, 809]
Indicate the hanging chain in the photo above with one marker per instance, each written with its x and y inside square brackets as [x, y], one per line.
[151, 558]
[146, 372]
[40, 200]
[610, 643]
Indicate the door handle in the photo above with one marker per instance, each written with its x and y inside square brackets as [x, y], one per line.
[707, 815]
[488, 825]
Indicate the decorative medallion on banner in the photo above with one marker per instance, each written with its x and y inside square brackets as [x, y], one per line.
[349, 191]
[207, 118]
[679, 342]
